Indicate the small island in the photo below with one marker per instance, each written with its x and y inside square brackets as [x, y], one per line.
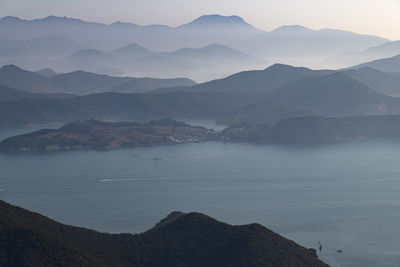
[94, 134]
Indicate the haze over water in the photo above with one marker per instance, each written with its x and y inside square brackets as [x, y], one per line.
[345, 196]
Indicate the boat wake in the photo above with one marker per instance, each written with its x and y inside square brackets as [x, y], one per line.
[129, 179]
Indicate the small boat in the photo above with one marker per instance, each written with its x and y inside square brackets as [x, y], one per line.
[157, 159]
[339, 251]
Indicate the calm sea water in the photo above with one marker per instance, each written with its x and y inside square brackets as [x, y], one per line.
[345, 196]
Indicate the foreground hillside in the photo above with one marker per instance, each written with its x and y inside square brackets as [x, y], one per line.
[193, 239]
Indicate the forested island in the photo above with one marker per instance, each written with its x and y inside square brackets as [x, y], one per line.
[93, 134]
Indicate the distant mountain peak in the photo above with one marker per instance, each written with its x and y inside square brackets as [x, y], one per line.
[123, 24]
[291, 28]
[132, 47]
[217, 20]
[280, 67]
[90, 53]
[52, 18]
[10, 67]
[131, 50]
[10, 19]
[217, 46]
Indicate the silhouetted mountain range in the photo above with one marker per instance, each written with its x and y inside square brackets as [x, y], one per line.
[299, 41]
[190, 239]
[200, 32]
[385, 50]
[80, 82]
[270, 95]
[391, 64]
[63, 55]
[290, 44]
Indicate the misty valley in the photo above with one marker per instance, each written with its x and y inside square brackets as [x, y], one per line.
[210, 143]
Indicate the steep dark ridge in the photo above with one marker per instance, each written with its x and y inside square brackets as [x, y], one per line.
[15, 77]
[382, 82]
[334, 95]
[192, 239]
[266, 80]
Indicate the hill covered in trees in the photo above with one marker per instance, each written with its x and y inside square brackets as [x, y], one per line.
[192, 239]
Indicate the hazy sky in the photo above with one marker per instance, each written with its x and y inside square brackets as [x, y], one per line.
[380, 17]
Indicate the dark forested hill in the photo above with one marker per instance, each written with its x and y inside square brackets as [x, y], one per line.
[316, 130]
[193, 239]
[334, 95]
